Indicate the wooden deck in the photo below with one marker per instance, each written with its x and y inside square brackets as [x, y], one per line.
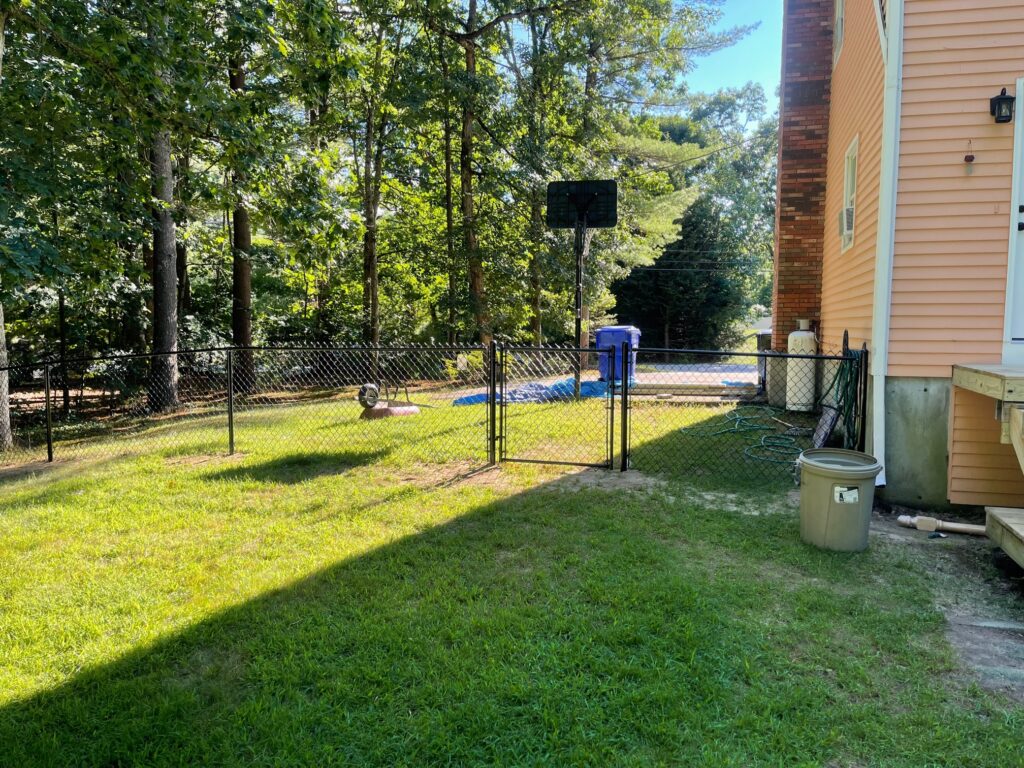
[1005, 385]
[1005, 527]
[1000, 382]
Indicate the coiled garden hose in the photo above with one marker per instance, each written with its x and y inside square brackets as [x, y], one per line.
[783, 448]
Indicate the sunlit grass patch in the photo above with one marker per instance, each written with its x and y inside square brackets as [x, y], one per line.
[342, 592]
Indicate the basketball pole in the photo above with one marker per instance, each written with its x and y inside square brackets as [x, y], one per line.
[579, 248]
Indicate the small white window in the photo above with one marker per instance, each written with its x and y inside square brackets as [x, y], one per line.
[848, 213]
[838, 30]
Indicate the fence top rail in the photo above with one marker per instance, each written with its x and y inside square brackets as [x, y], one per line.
[55, 361]
[853, 355]
[410, 348]
[572, 350]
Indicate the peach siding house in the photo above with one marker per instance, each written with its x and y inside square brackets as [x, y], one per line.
[899, 203]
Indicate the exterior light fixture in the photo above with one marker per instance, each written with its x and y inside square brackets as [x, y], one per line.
[1001, 107]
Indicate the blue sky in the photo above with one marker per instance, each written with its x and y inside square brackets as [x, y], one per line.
[756, 57]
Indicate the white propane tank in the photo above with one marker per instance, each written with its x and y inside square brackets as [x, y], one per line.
[800, 378]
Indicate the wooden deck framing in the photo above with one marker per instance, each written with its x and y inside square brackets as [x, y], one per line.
[1005, 385]
[1005, 527]
[1000, 382]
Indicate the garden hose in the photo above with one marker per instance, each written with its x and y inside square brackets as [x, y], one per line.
[783, 448]
[742, 419]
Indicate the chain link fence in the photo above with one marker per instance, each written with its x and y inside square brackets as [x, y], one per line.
[723, 417]
[733, 417]
[220, 401]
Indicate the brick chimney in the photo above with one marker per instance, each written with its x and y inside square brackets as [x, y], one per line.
[803, 158]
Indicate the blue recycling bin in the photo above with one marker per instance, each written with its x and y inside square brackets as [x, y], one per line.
[614, 336]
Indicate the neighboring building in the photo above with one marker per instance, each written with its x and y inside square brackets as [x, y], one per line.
[898, 210]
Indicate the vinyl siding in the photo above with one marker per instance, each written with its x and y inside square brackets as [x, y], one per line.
[858, 90]
[982, 471]
[950, 253]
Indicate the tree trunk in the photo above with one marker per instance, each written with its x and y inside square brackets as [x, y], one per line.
[62, 328]
[449, 231]
[477, 290]
[184, 283]
[62, 333]
[449, 195]
[241, 265]
[537, 240]
[6, 433]
[372, 164]
[590, 89]
[163, 385]
[3, 27]
[180, 248]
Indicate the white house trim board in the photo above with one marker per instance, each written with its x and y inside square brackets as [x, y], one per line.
[1013, 351]
[881, 309]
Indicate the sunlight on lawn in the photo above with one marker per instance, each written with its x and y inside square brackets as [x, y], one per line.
[341, 592]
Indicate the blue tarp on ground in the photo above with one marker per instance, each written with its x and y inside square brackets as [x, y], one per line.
[535, 392]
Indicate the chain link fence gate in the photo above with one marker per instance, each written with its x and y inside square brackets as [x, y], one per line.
[555, 405]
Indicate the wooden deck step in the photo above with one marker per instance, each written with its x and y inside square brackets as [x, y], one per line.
[1005, 527]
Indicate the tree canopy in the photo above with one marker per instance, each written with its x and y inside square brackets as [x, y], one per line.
[203, 172]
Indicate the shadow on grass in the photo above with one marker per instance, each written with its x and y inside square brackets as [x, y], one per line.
[708, 447]
[544, 628]
[465, 643]
[299, 467]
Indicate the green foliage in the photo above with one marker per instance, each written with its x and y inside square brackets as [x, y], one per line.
[697, 289]
[341, 129]
[692, 297]
[467, 367]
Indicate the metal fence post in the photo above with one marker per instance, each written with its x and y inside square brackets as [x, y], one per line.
[611, 408]
[231, 402]
[865, 374]
[502, 374]
[624, 427]
[492, 405]
[49, 413]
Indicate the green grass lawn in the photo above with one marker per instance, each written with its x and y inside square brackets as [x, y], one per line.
[336, 594]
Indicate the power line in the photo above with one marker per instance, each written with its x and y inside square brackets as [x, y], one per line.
[701, 269]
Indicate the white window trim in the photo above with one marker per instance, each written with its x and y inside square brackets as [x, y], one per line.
[838, 29]
[1013, 351]
[850, 201]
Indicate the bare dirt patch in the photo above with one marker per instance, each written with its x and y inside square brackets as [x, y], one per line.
[604, 480]
[195, 460]
[23, 470]
[993, 649]
[746, 504]
[981, 594]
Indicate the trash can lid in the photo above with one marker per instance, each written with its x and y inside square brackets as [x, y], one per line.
[841, 463]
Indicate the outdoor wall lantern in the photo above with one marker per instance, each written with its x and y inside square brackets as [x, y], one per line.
[1001, 107]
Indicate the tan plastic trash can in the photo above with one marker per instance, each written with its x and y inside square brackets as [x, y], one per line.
[837, 492]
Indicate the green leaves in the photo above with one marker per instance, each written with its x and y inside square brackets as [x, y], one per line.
[343, 123]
